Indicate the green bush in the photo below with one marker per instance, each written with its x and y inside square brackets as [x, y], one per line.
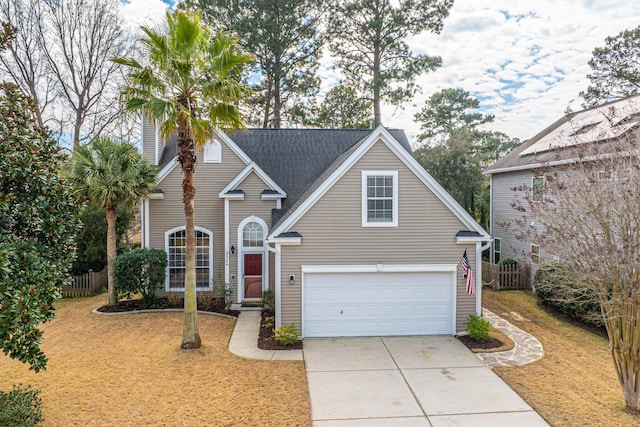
[21, 407]
[508, 261]
[269, 322]
[286, 335]
[556, 288]
[140, 271]
[478, 328]
[269, 299]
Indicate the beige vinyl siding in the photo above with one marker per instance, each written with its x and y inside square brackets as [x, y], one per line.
[149, 140]
[332, 233]
[209, 179]
[253, 186]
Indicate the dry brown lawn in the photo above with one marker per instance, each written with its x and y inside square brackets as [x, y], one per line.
[129, 370]
[574, 384]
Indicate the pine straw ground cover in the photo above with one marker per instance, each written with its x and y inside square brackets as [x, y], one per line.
[129, 370]
[574, 384]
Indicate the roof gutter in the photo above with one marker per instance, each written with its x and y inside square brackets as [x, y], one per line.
[560, 162]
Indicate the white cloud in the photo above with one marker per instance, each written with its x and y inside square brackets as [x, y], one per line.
[525, 61]
[143, 12]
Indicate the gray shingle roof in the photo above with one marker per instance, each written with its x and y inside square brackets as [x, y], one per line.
[295, 158]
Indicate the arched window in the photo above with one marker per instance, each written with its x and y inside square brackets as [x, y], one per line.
[175, 242]
[252, 235]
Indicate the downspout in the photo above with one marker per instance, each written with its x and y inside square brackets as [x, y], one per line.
[145, 204]
[226, 241]
[491, 256]
[479, 250]
[142, 221]
[278, 285]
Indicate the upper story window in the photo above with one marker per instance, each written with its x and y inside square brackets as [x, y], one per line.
[380, 198]
[605, 175]
[213, 151]
[537, 189]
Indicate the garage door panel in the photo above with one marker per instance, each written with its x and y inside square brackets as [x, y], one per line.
[371, 304]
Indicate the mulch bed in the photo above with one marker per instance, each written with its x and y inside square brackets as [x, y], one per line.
[473, 344]
[266, 340]
[164, 303]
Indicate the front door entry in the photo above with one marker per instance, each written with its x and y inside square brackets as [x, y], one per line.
[253, 275]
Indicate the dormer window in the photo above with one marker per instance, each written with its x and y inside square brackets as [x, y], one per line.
[213, 152]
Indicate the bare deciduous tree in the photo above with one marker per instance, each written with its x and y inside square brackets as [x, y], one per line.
[81, 37]
[24, 61]
[589, 217]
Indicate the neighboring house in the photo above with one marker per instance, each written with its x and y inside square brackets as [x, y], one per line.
[522, 172]
[348, 230]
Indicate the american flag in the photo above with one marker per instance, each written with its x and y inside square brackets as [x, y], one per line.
[466, 265]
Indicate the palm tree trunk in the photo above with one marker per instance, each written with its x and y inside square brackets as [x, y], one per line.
[111, 254]
[190, 335]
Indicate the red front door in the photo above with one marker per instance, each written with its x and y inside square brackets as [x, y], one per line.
[253, 275]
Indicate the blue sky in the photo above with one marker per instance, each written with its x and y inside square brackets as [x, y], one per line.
[525, 61]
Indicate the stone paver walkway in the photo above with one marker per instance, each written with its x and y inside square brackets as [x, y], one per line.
[527, 348]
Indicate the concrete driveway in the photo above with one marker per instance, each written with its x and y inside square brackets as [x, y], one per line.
[407, 381]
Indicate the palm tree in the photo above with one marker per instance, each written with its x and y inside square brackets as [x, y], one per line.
[190, 86]
[114, 175]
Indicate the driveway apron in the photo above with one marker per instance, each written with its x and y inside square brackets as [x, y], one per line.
[407, 381]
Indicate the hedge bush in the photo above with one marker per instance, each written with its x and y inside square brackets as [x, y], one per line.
[556, 288]
[508, 261]
[140, 271]
[21, 407]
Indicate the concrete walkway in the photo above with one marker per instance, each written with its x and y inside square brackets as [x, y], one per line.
[244, 340]
[527, 348]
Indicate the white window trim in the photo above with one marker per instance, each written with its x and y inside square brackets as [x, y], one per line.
[538, 254]
[605, 175]
[166, 249]
[533, 178]
[255, 250]
[498, 251]
[394, 213]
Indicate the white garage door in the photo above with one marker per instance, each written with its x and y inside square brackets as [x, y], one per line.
[378, 304]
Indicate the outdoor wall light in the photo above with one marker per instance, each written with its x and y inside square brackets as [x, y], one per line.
[233, 250]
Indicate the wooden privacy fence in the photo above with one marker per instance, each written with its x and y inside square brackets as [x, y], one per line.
[507, 276]
[86, 285]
